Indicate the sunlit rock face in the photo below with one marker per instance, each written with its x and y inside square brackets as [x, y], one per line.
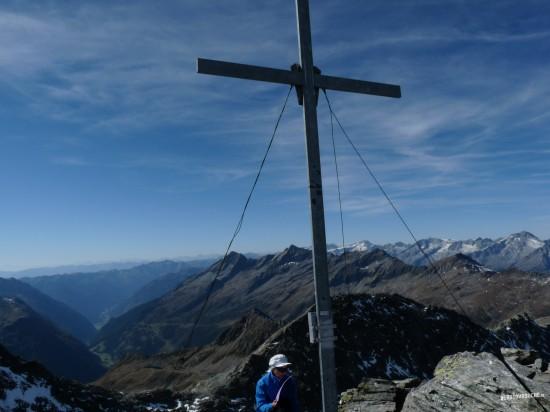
[479, 382]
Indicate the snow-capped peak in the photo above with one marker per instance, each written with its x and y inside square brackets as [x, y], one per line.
[361, 246]
[524, 239]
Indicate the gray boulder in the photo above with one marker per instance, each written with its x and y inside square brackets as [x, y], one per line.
[377, 395]
[480, 382]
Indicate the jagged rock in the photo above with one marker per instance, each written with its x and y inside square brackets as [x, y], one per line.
[523, 332]
[541, 365]
[527, 363]
[477, 382]
[377, 395]
[521, 356]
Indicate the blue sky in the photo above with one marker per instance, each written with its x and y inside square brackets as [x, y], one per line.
[113, 148]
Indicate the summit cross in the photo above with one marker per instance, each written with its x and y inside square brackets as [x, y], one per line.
[307, 80]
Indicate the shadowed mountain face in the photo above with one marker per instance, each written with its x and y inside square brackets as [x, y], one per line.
[282, 286]
[150, 291]
[95, 294]
[65, 318]
[381, 336]
[30, 336]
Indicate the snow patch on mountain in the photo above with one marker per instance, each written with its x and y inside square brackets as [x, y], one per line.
[361, 246]
[22, 389]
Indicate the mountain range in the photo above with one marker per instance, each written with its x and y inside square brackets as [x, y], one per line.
[282, 286]
[66, 269]
[521, 250]
[99, 295]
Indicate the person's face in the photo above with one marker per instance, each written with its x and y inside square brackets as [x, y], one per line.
[280, 372]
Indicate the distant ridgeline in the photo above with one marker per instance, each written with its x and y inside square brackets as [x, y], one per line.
[281, 285]
[105, 294]
[521, 250]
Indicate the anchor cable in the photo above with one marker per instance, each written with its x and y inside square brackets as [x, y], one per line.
[238, 227]
[339, 196]
[392, 204]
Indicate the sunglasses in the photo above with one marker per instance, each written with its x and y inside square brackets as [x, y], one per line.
[282, 369]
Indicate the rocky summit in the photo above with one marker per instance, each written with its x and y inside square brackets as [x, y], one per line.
[381, 336]
[514, 381]
[378, 336]
[481, 382]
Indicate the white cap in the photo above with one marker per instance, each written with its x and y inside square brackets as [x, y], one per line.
[278, 361]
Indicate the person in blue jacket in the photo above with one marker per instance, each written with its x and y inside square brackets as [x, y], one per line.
[277, 389]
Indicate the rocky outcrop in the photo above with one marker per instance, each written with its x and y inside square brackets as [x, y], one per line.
[527, 363]
[481, 382]
[377, 395]
[523, 332]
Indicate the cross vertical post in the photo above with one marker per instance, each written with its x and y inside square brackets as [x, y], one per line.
[320, 265]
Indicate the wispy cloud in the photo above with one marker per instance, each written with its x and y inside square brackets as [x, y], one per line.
[113, 88]
[70, 161]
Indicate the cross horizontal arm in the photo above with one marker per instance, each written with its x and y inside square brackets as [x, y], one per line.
[246, 71]
[356, 86]
[296, 78]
